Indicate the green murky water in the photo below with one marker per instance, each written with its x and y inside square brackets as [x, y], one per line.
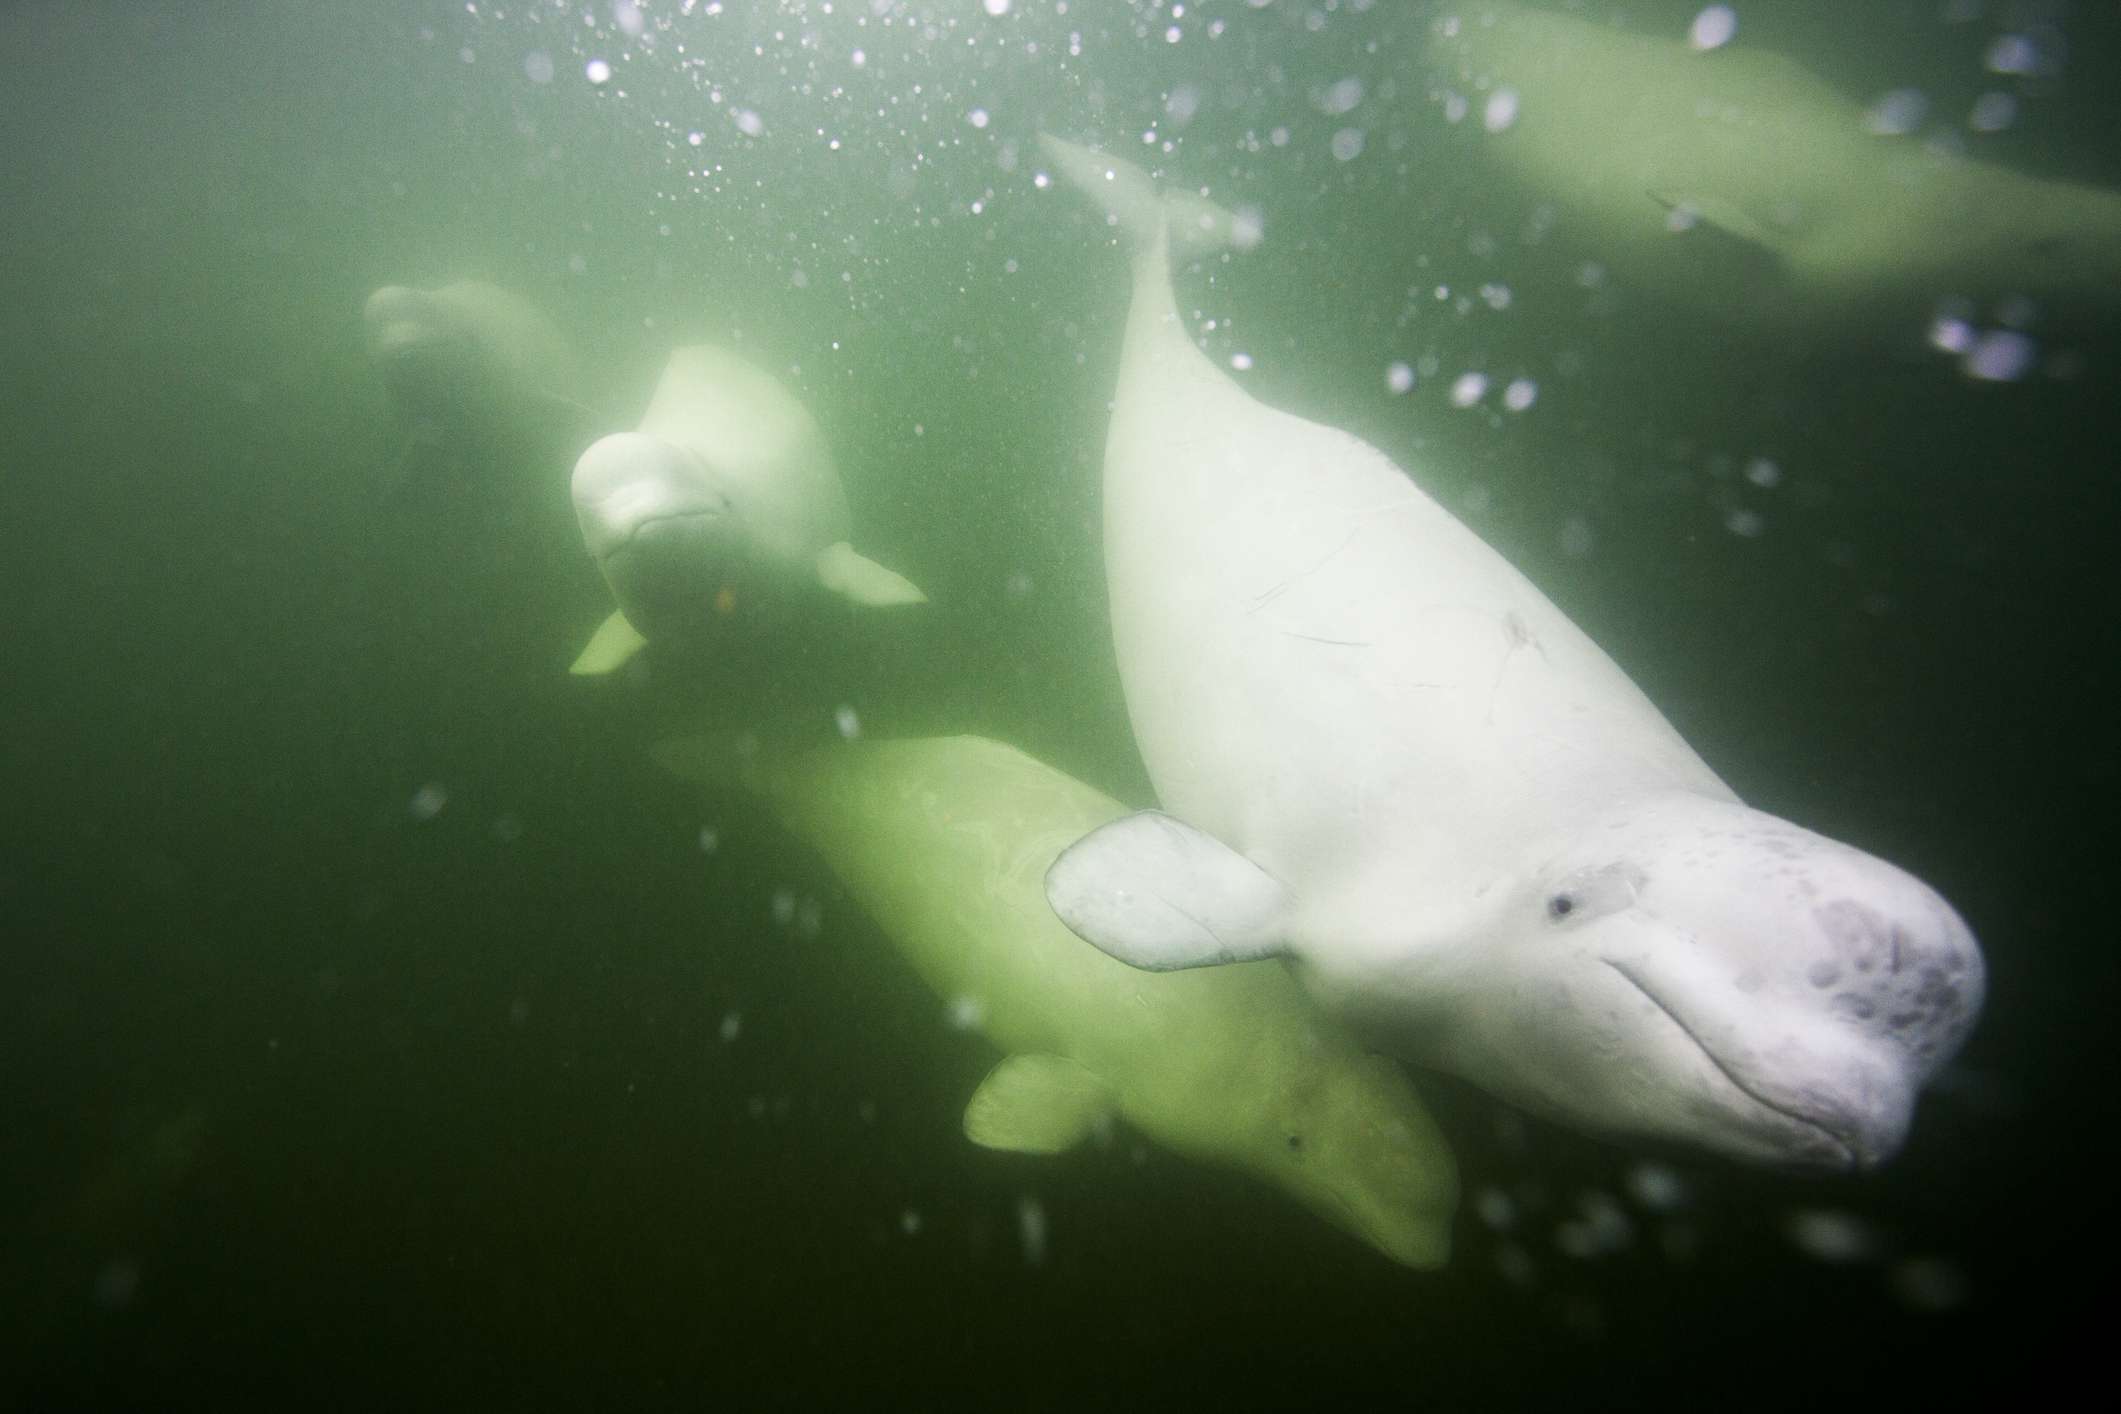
[384, 1030]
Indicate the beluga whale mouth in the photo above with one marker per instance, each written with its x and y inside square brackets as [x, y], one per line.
[644, 532]
[1817, 1142]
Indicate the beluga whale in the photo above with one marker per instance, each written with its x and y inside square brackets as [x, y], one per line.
[721, 513]
[1743, 184]
[470, 360]
[1381, 751]
[945, 841]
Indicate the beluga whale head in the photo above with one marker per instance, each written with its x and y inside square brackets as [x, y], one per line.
[1691, 969]
[721, 514]
[468, 351]
[662, 530]
[413, 345]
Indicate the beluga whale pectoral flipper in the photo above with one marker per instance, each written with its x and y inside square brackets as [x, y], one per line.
[723, 504]
[1380, 750]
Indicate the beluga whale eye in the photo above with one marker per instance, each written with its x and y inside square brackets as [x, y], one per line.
[1591, 893]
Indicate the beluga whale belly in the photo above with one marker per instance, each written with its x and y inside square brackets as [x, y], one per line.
[1380, 750]
[720, 512]
[944, 842]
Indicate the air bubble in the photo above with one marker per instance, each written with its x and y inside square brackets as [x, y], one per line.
[1897, 113]
[1713, 28]
[1341, 97]
[1999, 356]
[1501, 110]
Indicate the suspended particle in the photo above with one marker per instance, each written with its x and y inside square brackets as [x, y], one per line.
[1993, 112]
[1830, 1236]
[428, 800]
[1031, 1230]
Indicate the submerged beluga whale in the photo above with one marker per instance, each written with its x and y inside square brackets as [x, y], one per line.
[945, 843]
[1381, 751]
[722, 506]
[1744, 184]
[470, 358]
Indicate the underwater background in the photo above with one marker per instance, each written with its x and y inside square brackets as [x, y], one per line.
[381, 1028]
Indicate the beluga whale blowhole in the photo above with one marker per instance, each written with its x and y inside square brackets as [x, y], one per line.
[1381, 751]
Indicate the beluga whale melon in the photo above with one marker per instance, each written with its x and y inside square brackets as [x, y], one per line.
[945, 841]
[720, 512]
[1381, 751]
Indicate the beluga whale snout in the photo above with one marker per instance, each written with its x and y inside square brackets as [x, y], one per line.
[1383, 753]
[723, 504]
[1761, 989]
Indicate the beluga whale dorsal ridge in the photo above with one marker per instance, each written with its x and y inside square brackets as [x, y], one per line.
[723, 504]
[1380, 750]
[945, 841]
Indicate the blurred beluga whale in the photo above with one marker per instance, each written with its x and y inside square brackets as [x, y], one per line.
[471, 367]
[1383, 752]
[944, 843]
[1740, 183]
[723, 506]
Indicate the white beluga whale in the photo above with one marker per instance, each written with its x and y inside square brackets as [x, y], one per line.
[724, 505]
[1380, 750]
[944, 842]
[469, 354]
[1744, 184]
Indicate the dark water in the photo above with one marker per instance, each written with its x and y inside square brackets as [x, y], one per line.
[366, 996]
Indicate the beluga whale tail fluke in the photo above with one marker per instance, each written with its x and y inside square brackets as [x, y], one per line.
[1381, 751]
[1192, 224]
